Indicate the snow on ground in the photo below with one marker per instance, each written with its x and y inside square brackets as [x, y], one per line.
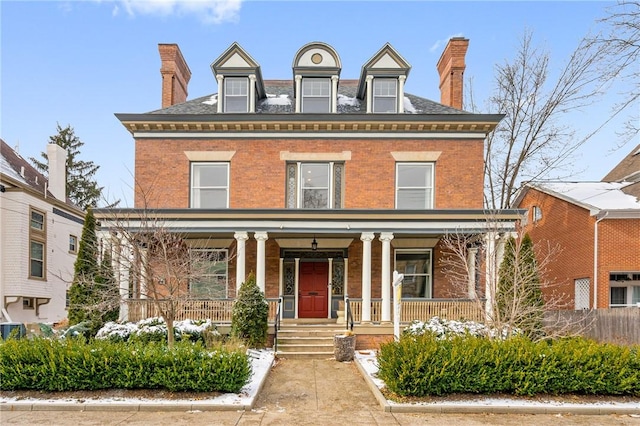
[369, 362]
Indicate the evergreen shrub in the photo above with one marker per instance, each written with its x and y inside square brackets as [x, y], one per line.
[425, 365]
[73, 364]
[250, 315]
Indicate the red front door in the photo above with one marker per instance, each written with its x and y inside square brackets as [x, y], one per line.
[312, 293]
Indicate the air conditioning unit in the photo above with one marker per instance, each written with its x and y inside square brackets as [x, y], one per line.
[7, 328]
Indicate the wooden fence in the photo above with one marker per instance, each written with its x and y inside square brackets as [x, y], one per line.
[616, 325]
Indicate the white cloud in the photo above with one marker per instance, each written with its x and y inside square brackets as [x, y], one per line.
[439, 43]
[207, 11]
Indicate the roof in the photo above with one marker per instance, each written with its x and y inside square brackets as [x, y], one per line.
[627, 170]
[594, 196]
[280, 100]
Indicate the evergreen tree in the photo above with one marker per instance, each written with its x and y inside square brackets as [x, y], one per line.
[519, 297]
[82, 189]
[250, 315]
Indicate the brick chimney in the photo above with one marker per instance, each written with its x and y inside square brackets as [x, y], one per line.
[57, 157]
[451, 69]
[175, 75]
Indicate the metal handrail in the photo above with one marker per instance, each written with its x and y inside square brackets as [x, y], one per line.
[277, 326]
[348, 313]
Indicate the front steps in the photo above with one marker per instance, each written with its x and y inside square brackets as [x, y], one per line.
[307, 338]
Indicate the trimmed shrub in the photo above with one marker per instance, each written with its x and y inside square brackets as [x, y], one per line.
[155, 330]
[250, 315]
[425, 365]
[72, 364]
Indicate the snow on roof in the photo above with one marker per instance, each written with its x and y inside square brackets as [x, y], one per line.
[348, 100]
[599, 195]
[282, 99]
[6, 168]
[408, 106]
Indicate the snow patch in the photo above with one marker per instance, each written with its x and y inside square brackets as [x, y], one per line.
[348, 101]
[213, 99]
[408, 106]
[278, 99]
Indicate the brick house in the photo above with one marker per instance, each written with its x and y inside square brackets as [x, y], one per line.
[320, 185]
[40, 234]
[597, 226]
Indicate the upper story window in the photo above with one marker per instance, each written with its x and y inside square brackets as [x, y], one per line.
[316, 95]
[210, 185]
[37, 220]
[314, 185]
[73, 244]
[385, 95]
[37, 244]
[414, 186]
[236, 94]
[537, 213]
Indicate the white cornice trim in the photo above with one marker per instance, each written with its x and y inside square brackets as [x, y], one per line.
[315, 156]
[416, 155]
[209, 155]
[306, 135]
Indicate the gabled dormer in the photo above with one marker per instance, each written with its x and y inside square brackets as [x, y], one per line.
[239, 80]
[382, 81]
[316, 72]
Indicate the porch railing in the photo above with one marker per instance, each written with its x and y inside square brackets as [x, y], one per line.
[219, 311]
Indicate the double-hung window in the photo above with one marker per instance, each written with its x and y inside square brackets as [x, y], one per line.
[385, 95]
[415, 264]
[314, 185]
[37, 244]
[414, 186]
[209, 273]
[236, 94]
[316, 95]
[210, 185]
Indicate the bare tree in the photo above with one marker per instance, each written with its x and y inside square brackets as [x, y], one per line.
[532, 141]
[511, 306]
[620, 40]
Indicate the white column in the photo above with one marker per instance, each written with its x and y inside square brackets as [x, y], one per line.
[366, 238]
[369, 81]
[334, 93]
[241, 238]
[330, 287]
[472, 254]
[261, 237]
[386, 238]
[123, 259]
[298, 92]
[491, 274]
[252, 93]
[401, 80]
[220, 79]
[296, 276]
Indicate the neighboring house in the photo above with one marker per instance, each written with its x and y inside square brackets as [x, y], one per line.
[597, 226]
[40, 234]
[320, 185]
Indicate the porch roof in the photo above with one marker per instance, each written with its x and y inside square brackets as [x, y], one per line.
[339, 222]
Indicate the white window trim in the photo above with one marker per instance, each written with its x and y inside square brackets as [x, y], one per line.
[429, 275]
[193, 188]
[395, 97]
[303, 96]
[75, 244]
[430, 201]
[330, 189]
[226, 95]
[629, 285]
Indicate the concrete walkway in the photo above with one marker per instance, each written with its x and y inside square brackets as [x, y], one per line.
[305, 392]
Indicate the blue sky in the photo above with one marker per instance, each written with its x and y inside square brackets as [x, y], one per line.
[79, 62]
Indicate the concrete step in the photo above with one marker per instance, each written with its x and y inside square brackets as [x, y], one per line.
[308, 332]
[305, 355]
[310, 347]
[305, 340]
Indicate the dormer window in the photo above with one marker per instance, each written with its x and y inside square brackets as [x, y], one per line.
[385, 95]
[239, 79]
[236, 94]
[316, 95]
[316, 71]
[382, 81]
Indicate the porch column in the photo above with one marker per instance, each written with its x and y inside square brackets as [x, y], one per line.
[491, 274]
[296, 282]
[472, 254]
[386, 238]
[261, 237]
[330, 287]
[122, 259]
[366, 238]
[241, 239]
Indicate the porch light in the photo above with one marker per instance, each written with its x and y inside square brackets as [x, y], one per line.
[314, 244]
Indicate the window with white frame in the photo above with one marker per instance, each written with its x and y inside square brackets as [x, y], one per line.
[73, 244]
[537, 213]
[415, 264]
[37, 244]
[414, 186]
[236, 94]
[385, 95]
[209, 273]
[316, 94]
[210, 185]
[624, 289]
[314, 185]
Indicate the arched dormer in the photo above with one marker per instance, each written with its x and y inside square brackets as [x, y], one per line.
[382, 81]
[316, 72]
[239, 80]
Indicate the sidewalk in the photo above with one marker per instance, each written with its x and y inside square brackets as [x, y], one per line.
[311, 392]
